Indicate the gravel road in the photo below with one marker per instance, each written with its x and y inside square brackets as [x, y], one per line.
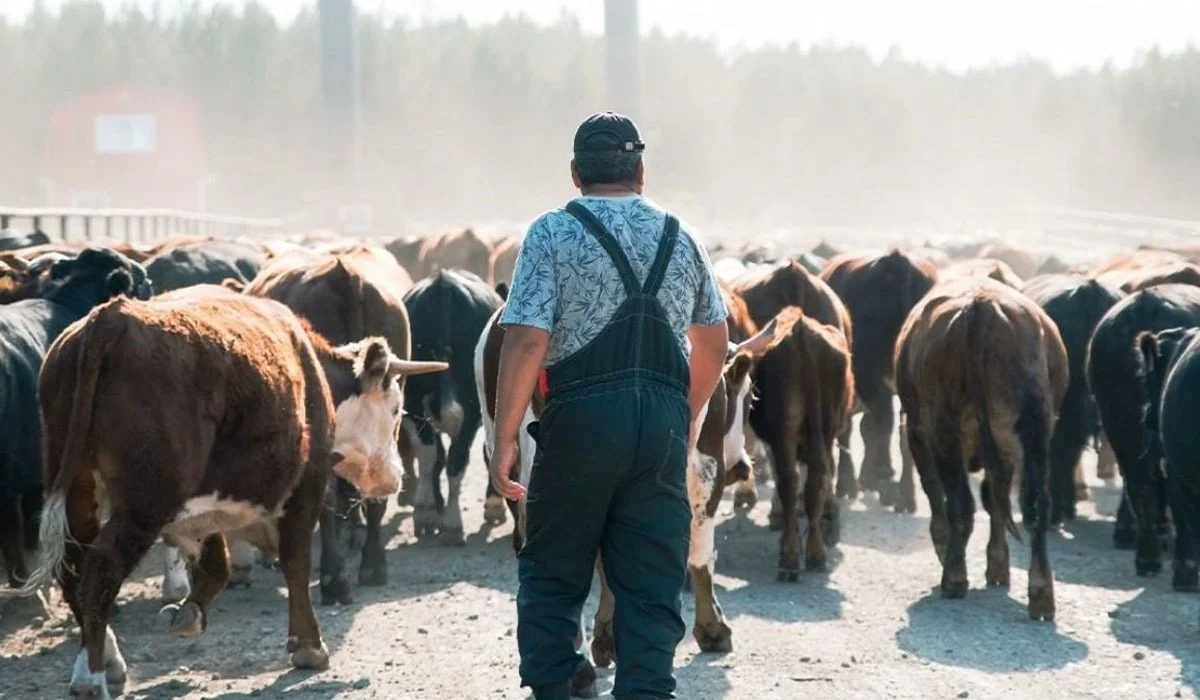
[874, 627]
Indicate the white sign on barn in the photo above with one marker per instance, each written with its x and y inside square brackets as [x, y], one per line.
[126, 133]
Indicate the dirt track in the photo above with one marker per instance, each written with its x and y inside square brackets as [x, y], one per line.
[874, 627]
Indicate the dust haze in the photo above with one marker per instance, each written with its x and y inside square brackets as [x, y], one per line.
[472, 125]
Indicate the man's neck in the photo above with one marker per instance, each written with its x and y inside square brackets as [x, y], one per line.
[609, 190]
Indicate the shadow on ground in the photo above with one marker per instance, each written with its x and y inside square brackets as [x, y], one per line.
[987, 631]
[1164, 621]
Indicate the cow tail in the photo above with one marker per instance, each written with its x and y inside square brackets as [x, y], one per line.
[54, 531]
[977, 321]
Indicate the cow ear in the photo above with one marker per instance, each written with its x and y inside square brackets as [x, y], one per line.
[371, 362]
[765, 339]
[738, 369]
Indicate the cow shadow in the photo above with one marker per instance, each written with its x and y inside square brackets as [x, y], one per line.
[881, 529]
[289, 684]
[704, 676]
[1081, 553]
[750, 552]
[987, 631]
[1163, 621]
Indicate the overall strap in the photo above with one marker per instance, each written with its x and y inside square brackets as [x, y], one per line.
[610, 245]
[666, 246]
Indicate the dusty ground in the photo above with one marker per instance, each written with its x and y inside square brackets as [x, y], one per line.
[874, 627]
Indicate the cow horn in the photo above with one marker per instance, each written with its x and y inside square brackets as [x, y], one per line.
[760, 342]
[415, 367]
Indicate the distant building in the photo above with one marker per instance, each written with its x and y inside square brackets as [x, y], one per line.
[126, 146]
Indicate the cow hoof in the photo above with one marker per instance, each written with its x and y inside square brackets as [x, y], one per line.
[336, 592]
[495, 511]
[372, 575]
[788, 575]
[814, 564]
[408, 491]
[583, 683]
[954, 589]
[452, 538]
[746, 499]
[603, 648]
[1125, 538]
[87, 691]
[239, 577]
[187, 620]
[1000, 580]
[714, 637]
[848, 491]
[304, 655]
[426, 520]
[1186, 578]
[1147, 567]
[1041, 604]
[889, 495]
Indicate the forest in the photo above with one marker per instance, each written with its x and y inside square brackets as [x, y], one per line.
[464, 123]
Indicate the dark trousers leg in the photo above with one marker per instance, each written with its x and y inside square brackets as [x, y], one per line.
[645, 556]
[569, 492]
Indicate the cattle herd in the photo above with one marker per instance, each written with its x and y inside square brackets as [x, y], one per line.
[234, 395]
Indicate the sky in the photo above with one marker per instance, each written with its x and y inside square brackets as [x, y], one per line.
[955, 34]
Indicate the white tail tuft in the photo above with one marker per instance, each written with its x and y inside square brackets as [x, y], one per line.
[54, 535]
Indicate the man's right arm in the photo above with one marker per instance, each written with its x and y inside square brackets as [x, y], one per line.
[709, 336]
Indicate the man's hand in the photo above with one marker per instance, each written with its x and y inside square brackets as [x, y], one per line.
[504, 459]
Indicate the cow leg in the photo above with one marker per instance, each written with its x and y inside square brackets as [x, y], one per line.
[1106, 461]
[427, 518]
[190, 618]
[177, 583]
[710, 628]
[300, 514]
[1081, 488]
[1034, 429]
[877, 425]
[999, 569]
[12, 541]
[931, 484]
[241, 562]
[960, 516]
[1064, 471]
[603, 647]
[816, 494]
[847, 483]
[787, 476]
[1147, 510]
[1184, 509]
[1125, 530]
[119, 546]
[334, 586]
[456, 466]
[372, 568]
[907, 501]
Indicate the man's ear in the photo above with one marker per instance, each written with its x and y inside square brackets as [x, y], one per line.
[640, 175]
[575, 176]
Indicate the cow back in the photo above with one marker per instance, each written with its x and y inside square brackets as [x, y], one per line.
[769, 290]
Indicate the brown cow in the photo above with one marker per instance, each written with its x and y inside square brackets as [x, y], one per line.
[720, 443]
[463, 250]
[504, 260]
[407, 252]
[238, 429]
[879, 291]
[770, 289]
[1133, 280]
[981, 372]
[807, 407]
[978, 268]
[1137, 260]
[346, 297]
[1022, 261]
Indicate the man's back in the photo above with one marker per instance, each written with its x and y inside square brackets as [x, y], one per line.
[566, 284]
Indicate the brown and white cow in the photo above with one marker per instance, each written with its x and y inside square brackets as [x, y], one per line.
[464, 250]
[720, 444]
[981, 372]
[249, 410]
[504, 260]
[979, 268]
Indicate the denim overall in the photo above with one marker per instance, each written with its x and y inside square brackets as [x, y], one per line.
[610, 476]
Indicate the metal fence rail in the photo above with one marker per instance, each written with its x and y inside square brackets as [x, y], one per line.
[133, 225]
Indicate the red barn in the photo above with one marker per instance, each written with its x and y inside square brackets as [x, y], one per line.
[126, 146]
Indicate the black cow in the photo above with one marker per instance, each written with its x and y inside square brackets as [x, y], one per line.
[11, 239]
[448, 313]
[1171, 379]
[1114, 371]
[27, 329]
[207, 262]
[1075, 304]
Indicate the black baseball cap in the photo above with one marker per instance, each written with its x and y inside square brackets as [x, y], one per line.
[604, 132]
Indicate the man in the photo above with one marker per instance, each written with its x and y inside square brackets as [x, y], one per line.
[620, 306]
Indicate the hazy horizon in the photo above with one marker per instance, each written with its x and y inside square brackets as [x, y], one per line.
[1067, 34]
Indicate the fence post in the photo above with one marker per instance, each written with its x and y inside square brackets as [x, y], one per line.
[62, 227]
[37, 223]
[87, 227]
[4, 221]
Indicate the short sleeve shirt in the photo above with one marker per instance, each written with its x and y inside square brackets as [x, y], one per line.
[566, 284]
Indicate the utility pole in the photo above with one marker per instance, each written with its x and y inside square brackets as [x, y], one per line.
[623, 56]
